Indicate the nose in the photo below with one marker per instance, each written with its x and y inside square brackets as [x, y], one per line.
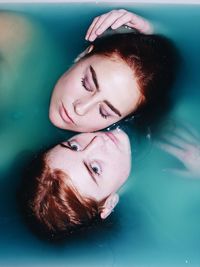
[96, 143]
[83, 106]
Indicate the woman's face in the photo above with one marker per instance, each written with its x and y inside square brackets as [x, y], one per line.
[97, 163]
[95, 93]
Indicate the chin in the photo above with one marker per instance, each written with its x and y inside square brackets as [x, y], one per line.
[55, 120]
[52, 117]
[89, 130]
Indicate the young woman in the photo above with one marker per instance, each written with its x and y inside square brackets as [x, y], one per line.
[117, 75]
[76, 182]
[114, 77]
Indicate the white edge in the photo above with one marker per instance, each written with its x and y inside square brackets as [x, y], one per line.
[187, 2]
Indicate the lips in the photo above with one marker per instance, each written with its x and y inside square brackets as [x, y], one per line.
[65, 115]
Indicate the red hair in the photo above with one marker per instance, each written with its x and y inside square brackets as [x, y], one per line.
[153, 59]
[57, 205]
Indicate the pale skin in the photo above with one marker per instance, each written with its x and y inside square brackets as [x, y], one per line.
[98, 164]
[115, 19]
[79, 104]
[184, 144]
[98, 91]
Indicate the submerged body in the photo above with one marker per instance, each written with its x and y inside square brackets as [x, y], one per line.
[25, 84]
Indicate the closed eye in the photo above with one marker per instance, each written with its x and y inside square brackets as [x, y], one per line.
[86, 85]
[104, 113]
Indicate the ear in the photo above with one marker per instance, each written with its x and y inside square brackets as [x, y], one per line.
[109, 205]
[85, 52]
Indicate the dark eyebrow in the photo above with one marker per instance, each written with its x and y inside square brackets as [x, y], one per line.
[94, 77]
[112, 108]
[90, 173]
[63, 145]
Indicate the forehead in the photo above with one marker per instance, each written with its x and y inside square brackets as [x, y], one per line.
[117, 81]
[110, 65]
[71, 163]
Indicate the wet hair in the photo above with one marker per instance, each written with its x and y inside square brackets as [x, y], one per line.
[54, 207]
[153, 59]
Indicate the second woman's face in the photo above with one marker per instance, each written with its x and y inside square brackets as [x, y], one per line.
[97, 163]
[95, 93]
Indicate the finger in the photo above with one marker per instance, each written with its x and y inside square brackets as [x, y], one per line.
[134, 21]
[176, 141]
[109, 21]
[96, 25]
[122, 20]
[193, 131]
[179, 172]
[188, 132]
[174, 151]
[185, 173]
[91, 27]
[145, 27]
[103, 24]
[186, 135]
[140, 24]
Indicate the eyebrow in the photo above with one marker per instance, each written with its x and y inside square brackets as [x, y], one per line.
[95, 80]
[90, 173]
[63, 145]
[112, 108]
[94, 77]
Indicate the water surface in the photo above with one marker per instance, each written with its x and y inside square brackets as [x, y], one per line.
[157, 220]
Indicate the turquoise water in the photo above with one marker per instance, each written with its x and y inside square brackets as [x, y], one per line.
[157, 220]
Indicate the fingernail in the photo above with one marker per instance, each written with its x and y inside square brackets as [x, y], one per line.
[92, 38]
[113, 27]
[99, 31]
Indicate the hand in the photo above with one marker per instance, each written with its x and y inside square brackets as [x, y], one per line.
[184, 144]
[115, 19]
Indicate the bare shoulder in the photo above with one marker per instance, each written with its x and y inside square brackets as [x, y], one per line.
[16, 30]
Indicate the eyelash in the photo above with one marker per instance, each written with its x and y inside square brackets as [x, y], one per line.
[103, 115]
[89, 90]
[92, 169]
[84, 85]
[70, 145]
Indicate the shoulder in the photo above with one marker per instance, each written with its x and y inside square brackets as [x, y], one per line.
[16, 30]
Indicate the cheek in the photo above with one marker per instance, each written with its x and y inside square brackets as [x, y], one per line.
[119, 174]
[68, 86]
[122, 164]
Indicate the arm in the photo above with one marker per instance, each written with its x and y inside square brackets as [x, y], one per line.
[115, 19]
